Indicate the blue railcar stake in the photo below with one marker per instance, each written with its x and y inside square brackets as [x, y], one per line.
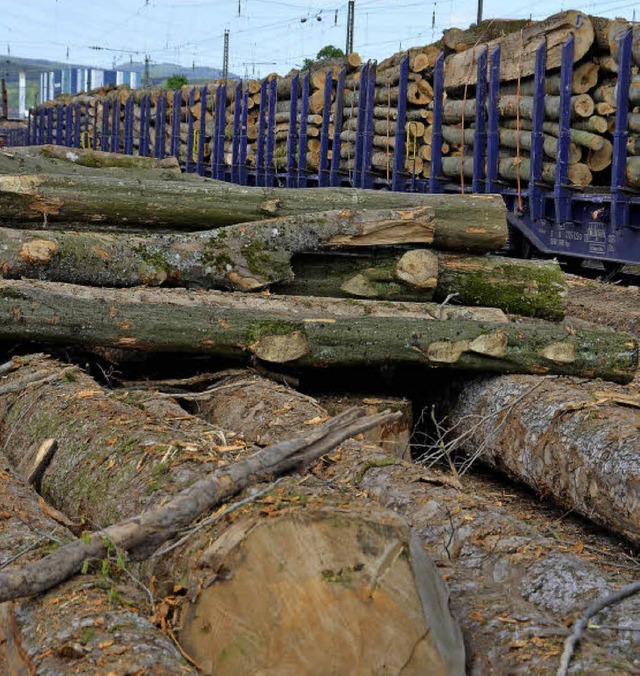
[536, 195]
[302, 138]
[334, 176]
[49, 125]
[235, 141]
[202, 130]
[115, 127]
[104, 141]
[480, 134]
[493, 136]
[271, 134]
[41, 117]
[366, 177]
[145, 124]
[619, 201]
[59, 130]
[160, 141]
[562, 194]
[188, 167]
[221, 117]
[214, 135]
[360, 125]
[29, 128]
[397, 180]
[94, 143]
[68, 126]
[323, 166]
[435, 182]
[77, 111]
[292, 137]
[175, 124]
[244, 141]
[128, 126]
[260, 139]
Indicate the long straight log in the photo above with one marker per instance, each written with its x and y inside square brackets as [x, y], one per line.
[580, 136]
[530, 288]
[191, 202]
[586, 457]
[583, 80]
[302, 332]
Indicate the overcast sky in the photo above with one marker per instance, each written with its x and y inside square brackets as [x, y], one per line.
[265, 35]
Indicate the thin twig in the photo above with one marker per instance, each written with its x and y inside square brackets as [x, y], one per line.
[579, 627]
[216, 517]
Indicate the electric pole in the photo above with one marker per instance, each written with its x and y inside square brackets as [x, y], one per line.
[350, 23]
[225, 60]
[479, 19]
[147, 76]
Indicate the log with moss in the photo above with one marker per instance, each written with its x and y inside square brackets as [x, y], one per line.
[572, 441]
[94, 624]
[245, 256]
[529, 288]
[191, 202]
[305, 331]
[292, 550]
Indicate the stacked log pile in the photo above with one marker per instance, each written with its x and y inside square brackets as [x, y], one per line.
[593, 105]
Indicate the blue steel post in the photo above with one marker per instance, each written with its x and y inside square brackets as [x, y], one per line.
[76, 125]
[493, 136]
[86, 118]
[145, 113]
[435, 183]
[202, 130]
[334, 178]
[59, 125]
[115, 127]
[242, 178]
[292, 137]
[360, 124]
[189, 167]
[562, 195]
[302, 137]
[29, 127]
[104, 140]
[128, 126]
[68, 125]
[323, 165]
[480, 134]
[260, 140]
[269, 173]
[214, 136]
[94, 143]
[49, 125]
[159, 144]
[41, 116]
[397, 180]
[222, 121]
[366, 177]
[536, 196]
[619, 201]
[235, 141]
[175, 124]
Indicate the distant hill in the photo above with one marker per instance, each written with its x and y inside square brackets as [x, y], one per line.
[159, 72]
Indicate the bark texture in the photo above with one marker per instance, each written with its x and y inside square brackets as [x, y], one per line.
[572, 441]
[306, 332]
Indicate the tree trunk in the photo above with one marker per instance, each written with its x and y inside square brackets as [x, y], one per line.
[93, 624]
[245, 256]
[191, 202]
[529, 288]
[633, 171]
[518, 49]
[96, 159]
[457, 40]
[327, 549]
[302, 332]
[583, 80]
[577, 443]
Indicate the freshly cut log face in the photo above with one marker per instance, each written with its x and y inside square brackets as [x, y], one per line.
[517, 50]
[305, 332]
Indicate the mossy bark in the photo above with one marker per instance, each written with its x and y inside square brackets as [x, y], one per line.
[189, 202]
[306, 331]
[572, 441]
[94, 624]
[528, 288]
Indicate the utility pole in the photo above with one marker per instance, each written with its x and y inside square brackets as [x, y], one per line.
[147, 75]
[350, 23]
[225, 59]
[479, 19]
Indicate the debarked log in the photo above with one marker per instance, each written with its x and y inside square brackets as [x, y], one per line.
[305, 331]
[194, 203]
[245, 256]
[529, 288]
[575, 442]
[96, 623]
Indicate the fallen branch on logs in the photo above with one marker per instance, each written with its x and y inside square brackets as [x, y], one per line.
[141, 535]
